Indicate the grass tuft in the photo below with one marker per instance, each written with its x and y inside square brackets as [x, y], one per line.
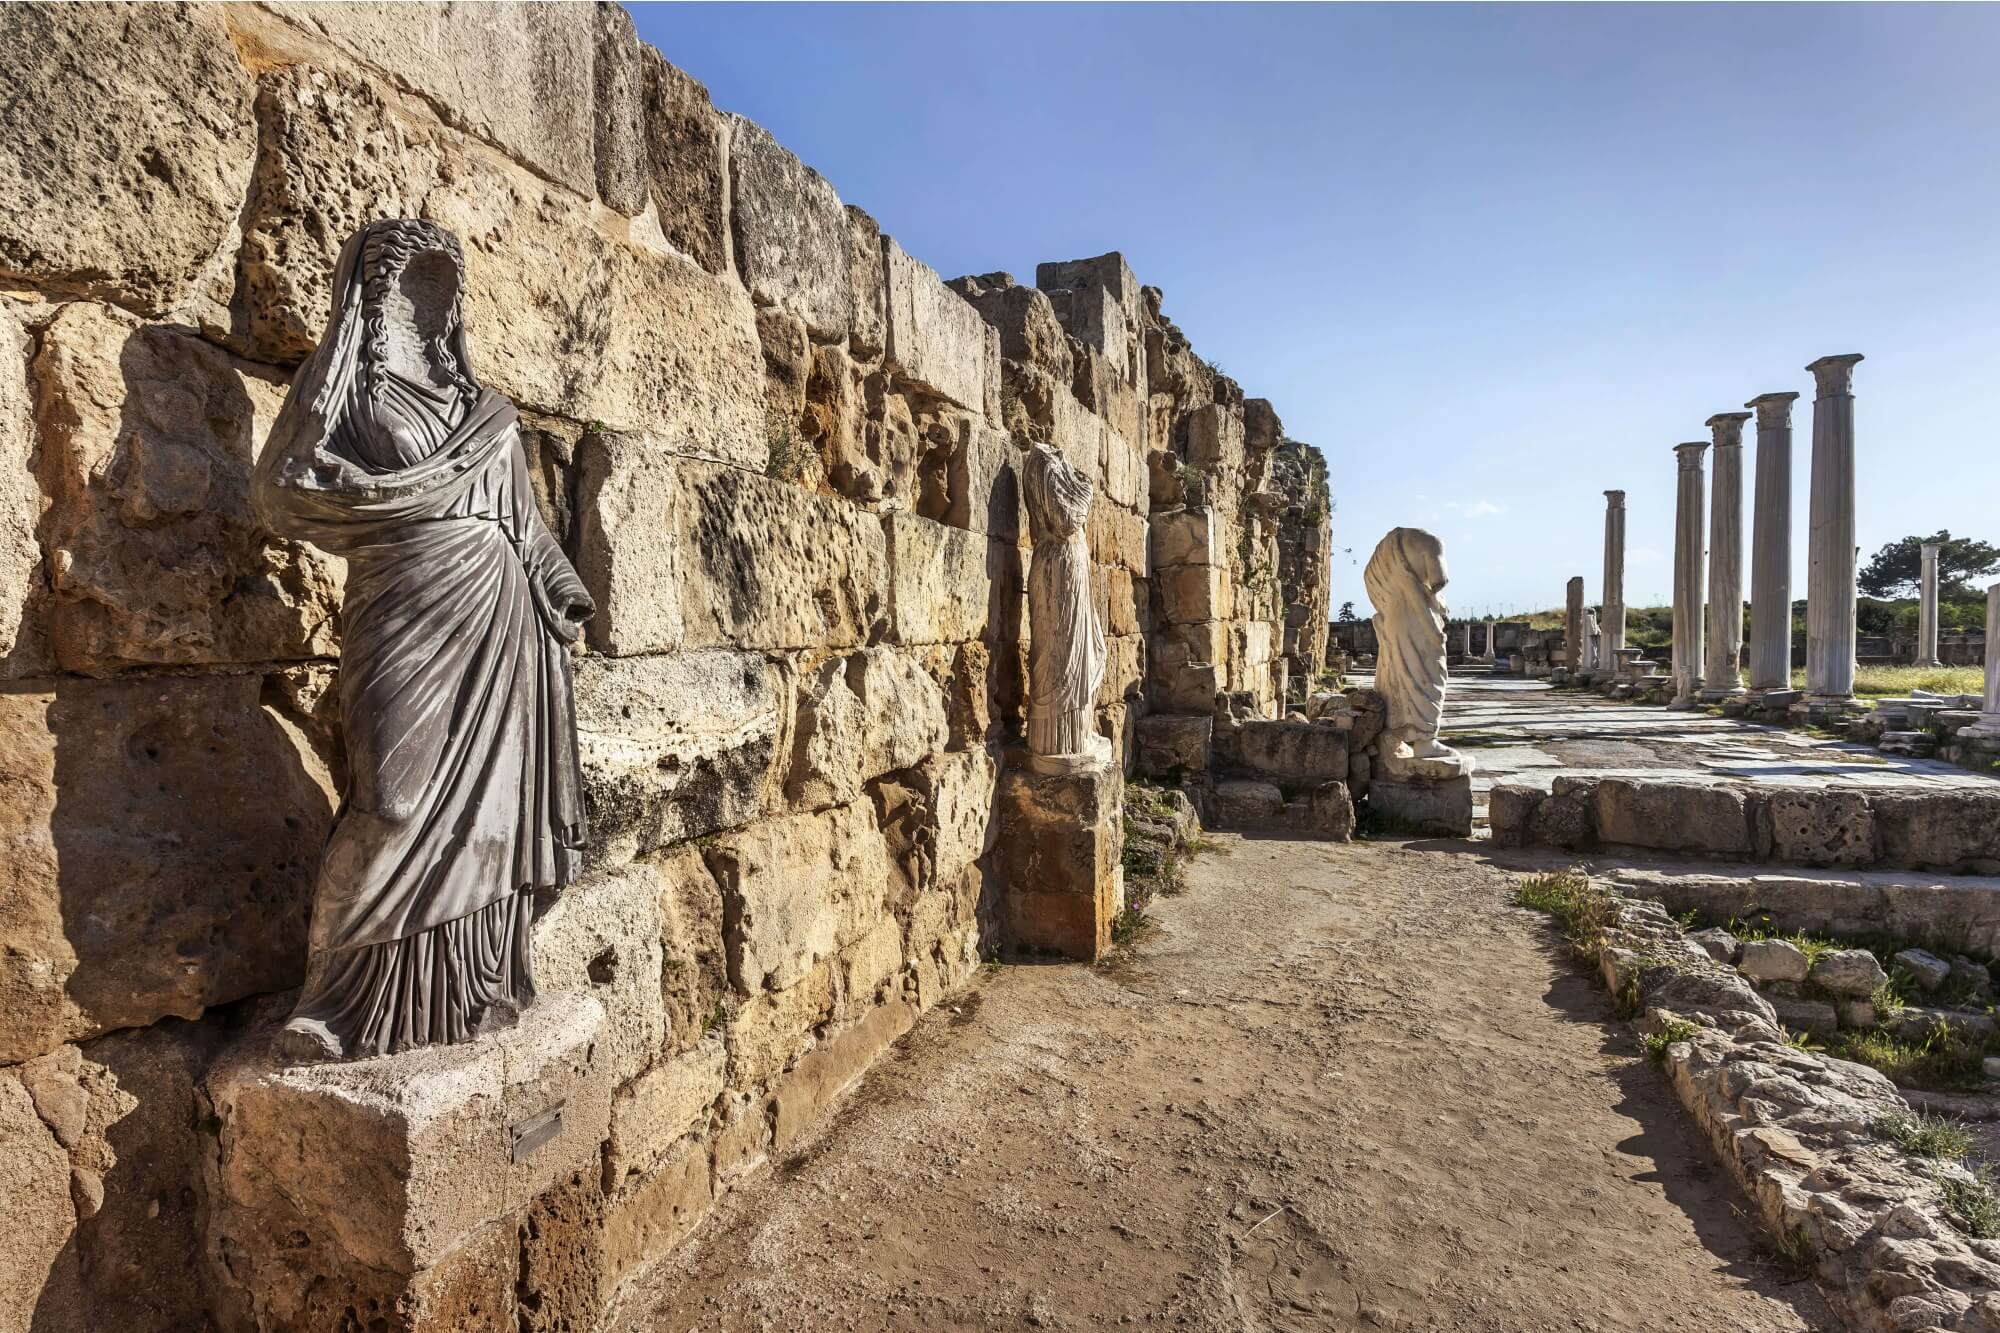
[1925, 1135]
[1942, 1059]
[1673, 1030]
[1971, 1205]
[1568, 895]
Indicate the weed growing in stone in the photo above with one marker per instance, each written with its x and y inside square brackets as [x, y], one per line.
[1925, 1135]
[1942, 1059]
[1673, 1030]
[1971, 1205]
[1568, 895]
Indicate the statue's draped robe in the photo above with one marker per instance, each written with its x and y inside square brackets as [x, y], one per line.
[1403, 578]
[1066, 650]
[463, 795]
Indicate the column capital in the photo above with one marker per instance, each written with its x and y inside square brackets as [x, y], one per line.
[1929, 549]
[1614, 499]
[1690, 454]
[1727, 428]
[1835, 373]
[1774, 410]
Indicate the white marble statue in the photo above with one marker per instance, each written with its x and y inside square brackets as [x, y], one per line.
[1066, 650]
[1404, 578]
[1593, 642]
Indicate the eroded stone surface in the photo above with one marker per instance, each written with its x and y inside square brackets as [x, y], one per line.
[791, 232]
[859, 717]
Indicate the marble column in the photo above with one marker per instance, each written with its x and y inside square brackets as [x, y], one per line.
[1927, 608]
[1724, 676]
[1573, 624]
[1771, 546]
[1988, 725]
[1465, 635]
[1612, 617]
[1689, 530]
[1830, 550]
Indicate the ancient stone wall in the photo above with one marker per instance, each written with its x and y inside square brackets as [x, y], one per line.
[780, 450]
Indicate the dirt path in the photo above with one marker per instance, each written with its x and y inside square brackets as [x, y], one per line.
[1337, 1087]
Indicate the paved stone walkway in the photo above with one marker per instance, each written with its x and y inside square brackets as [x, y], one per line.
[1336, 1087]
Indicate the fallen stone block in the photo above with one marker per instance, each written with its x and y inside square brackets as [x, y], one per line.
[1848, 972]
[1773, 960]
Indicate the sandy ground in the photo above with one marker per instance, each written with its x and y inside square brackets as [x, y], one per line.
[1336, 1087]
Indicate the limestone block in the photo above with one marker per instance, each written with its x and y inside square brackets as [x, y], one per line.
[1057, 857]
[765, 1035]
[1773, 960]
[1097, 299]
[1198, 641]
[1816, 1017]
[35, 1209]
[1821, 826]
[870, 963]
[1510, 807]
[1673, 816]
[796, 890]
[1026, 322]
[678, 746]
[936, 338]
[1418, 805]
[162, 839]
[1191, 593]
[127, 146]
[1294, 752]
[985, 484]
[1187, 687]
[1255, 643]
[834, 1064]
[1214, 437]
[1937, 828]
[694, 969]
[653, 1112]
[620, 141]
[962, 803]
[1244, 803]
[535, 96]
[1850, 972]
[679, 553]
[1562, 821]
[1928, 969]
[413, 1167]
[868, 335]
[947, 585]
[792, 240]
[1124, 470]
[1186, 537]
[1169, 747]
[602, 937]
[154, 554]
[1123, 601]
[20, 497]
[1104, 384]
[1118, 537]
[651, 1217]
[682, 160]
[1124, 670]
[860, 716]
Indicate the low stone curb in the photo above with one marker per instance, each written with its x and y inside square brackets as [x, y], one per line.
[1796, 1129]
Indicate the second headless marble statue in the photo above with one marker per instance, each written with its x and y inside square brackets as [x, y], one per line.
[1404, 579]
[1066, 649]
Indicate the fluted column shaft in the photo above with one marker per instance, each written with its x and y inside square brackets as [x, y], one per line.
[1771, 546]
[1927, 608]
[1988, 724]
[1830, 596]
[1612, 625]
[1725, 557]
[1689, 501]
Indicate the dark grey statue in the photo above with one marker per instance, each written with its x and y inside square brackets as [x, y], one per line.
[463, 795]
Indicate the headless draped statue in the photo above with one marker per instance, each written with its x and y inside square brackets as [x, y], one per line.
[1404, 578]
[463, 794]
[1066, 651]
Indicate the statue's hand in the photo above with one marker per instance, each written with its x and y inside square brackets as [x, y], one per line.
[573, 608]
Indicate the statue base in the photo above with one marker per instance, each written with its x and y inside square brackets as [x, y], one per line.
[1424, 794]
[1057, 858]
[388, 1193]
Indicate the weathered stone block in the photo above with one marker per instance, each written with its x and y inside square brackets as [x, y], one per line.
[1773, 960]
[946, 584]
[834, 1064]
[35, 1208]
[653, 1112]
[1510, 806]
[618, 79]
[797, 890]
[766, 1034]
[602, 937]
[678, 746]
[1214, 437]
[1168, 746]
[694, 969]
[1821, 827]
[936, 338]
[868, 335]
[1188, 687]
[860, 716]
[1849, 972]
[1673, 816]
[679, 553]
[1193, 593]
[792, 240]
[962, 806]
[162, 839]
[416, 1163]
[154, 554]
[127, 146]
[21, 578]
[1946, 829]
[1186, 537]
[985, 484]
[1563, 821]
[681, 158]
[1057, 857]
[651, 1217]
[1443, 808]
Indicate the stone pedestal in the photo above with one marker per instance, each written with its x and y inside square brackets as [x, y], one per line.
[1431, 795]
[1689, 531]
[1927, 608]
[1722, 676]
[1057, 858]
[1612, 616]
[1771, 546]
[1830, 553]
[388, 1193]
[1988, 725]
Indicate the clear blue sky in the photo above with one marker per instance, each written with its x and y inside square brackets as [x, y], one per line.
[1492, 260]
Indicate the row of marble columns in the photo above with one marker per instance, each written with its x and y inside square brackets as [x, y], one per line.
[1708, 553]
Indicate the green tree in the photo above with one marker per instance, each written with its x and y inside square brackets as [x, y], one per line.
[1346, 612]
[1897, 567]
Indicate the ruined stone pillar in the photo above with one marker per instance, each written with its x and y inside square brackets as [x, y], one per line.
[1573, 625]
[1612, 624]
[1689, 501]
[1987, 728]
[1725, 559]
[1927, 609]
[1465, 635]
[1491, 642]
[1771, 546]
[1830, 551]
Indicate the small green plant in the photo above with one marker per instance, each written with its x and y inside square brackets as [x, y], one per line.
[716, 1018]
[1673, 1030]
[1125, 927]
[1802, 1041]
[1925, 1135]
[784, 460]
[1794, 1251]
[1568, 895]
[1942, 1058]
[1888, 999]
[1971, 1205]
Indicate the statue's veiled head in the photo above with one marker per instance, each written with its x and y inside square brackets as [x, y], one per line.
[412, 278]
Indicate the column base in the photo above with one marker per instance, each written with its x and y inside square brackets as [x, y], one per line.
[388, 1193]
[1057, 858]
[1716, 696]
